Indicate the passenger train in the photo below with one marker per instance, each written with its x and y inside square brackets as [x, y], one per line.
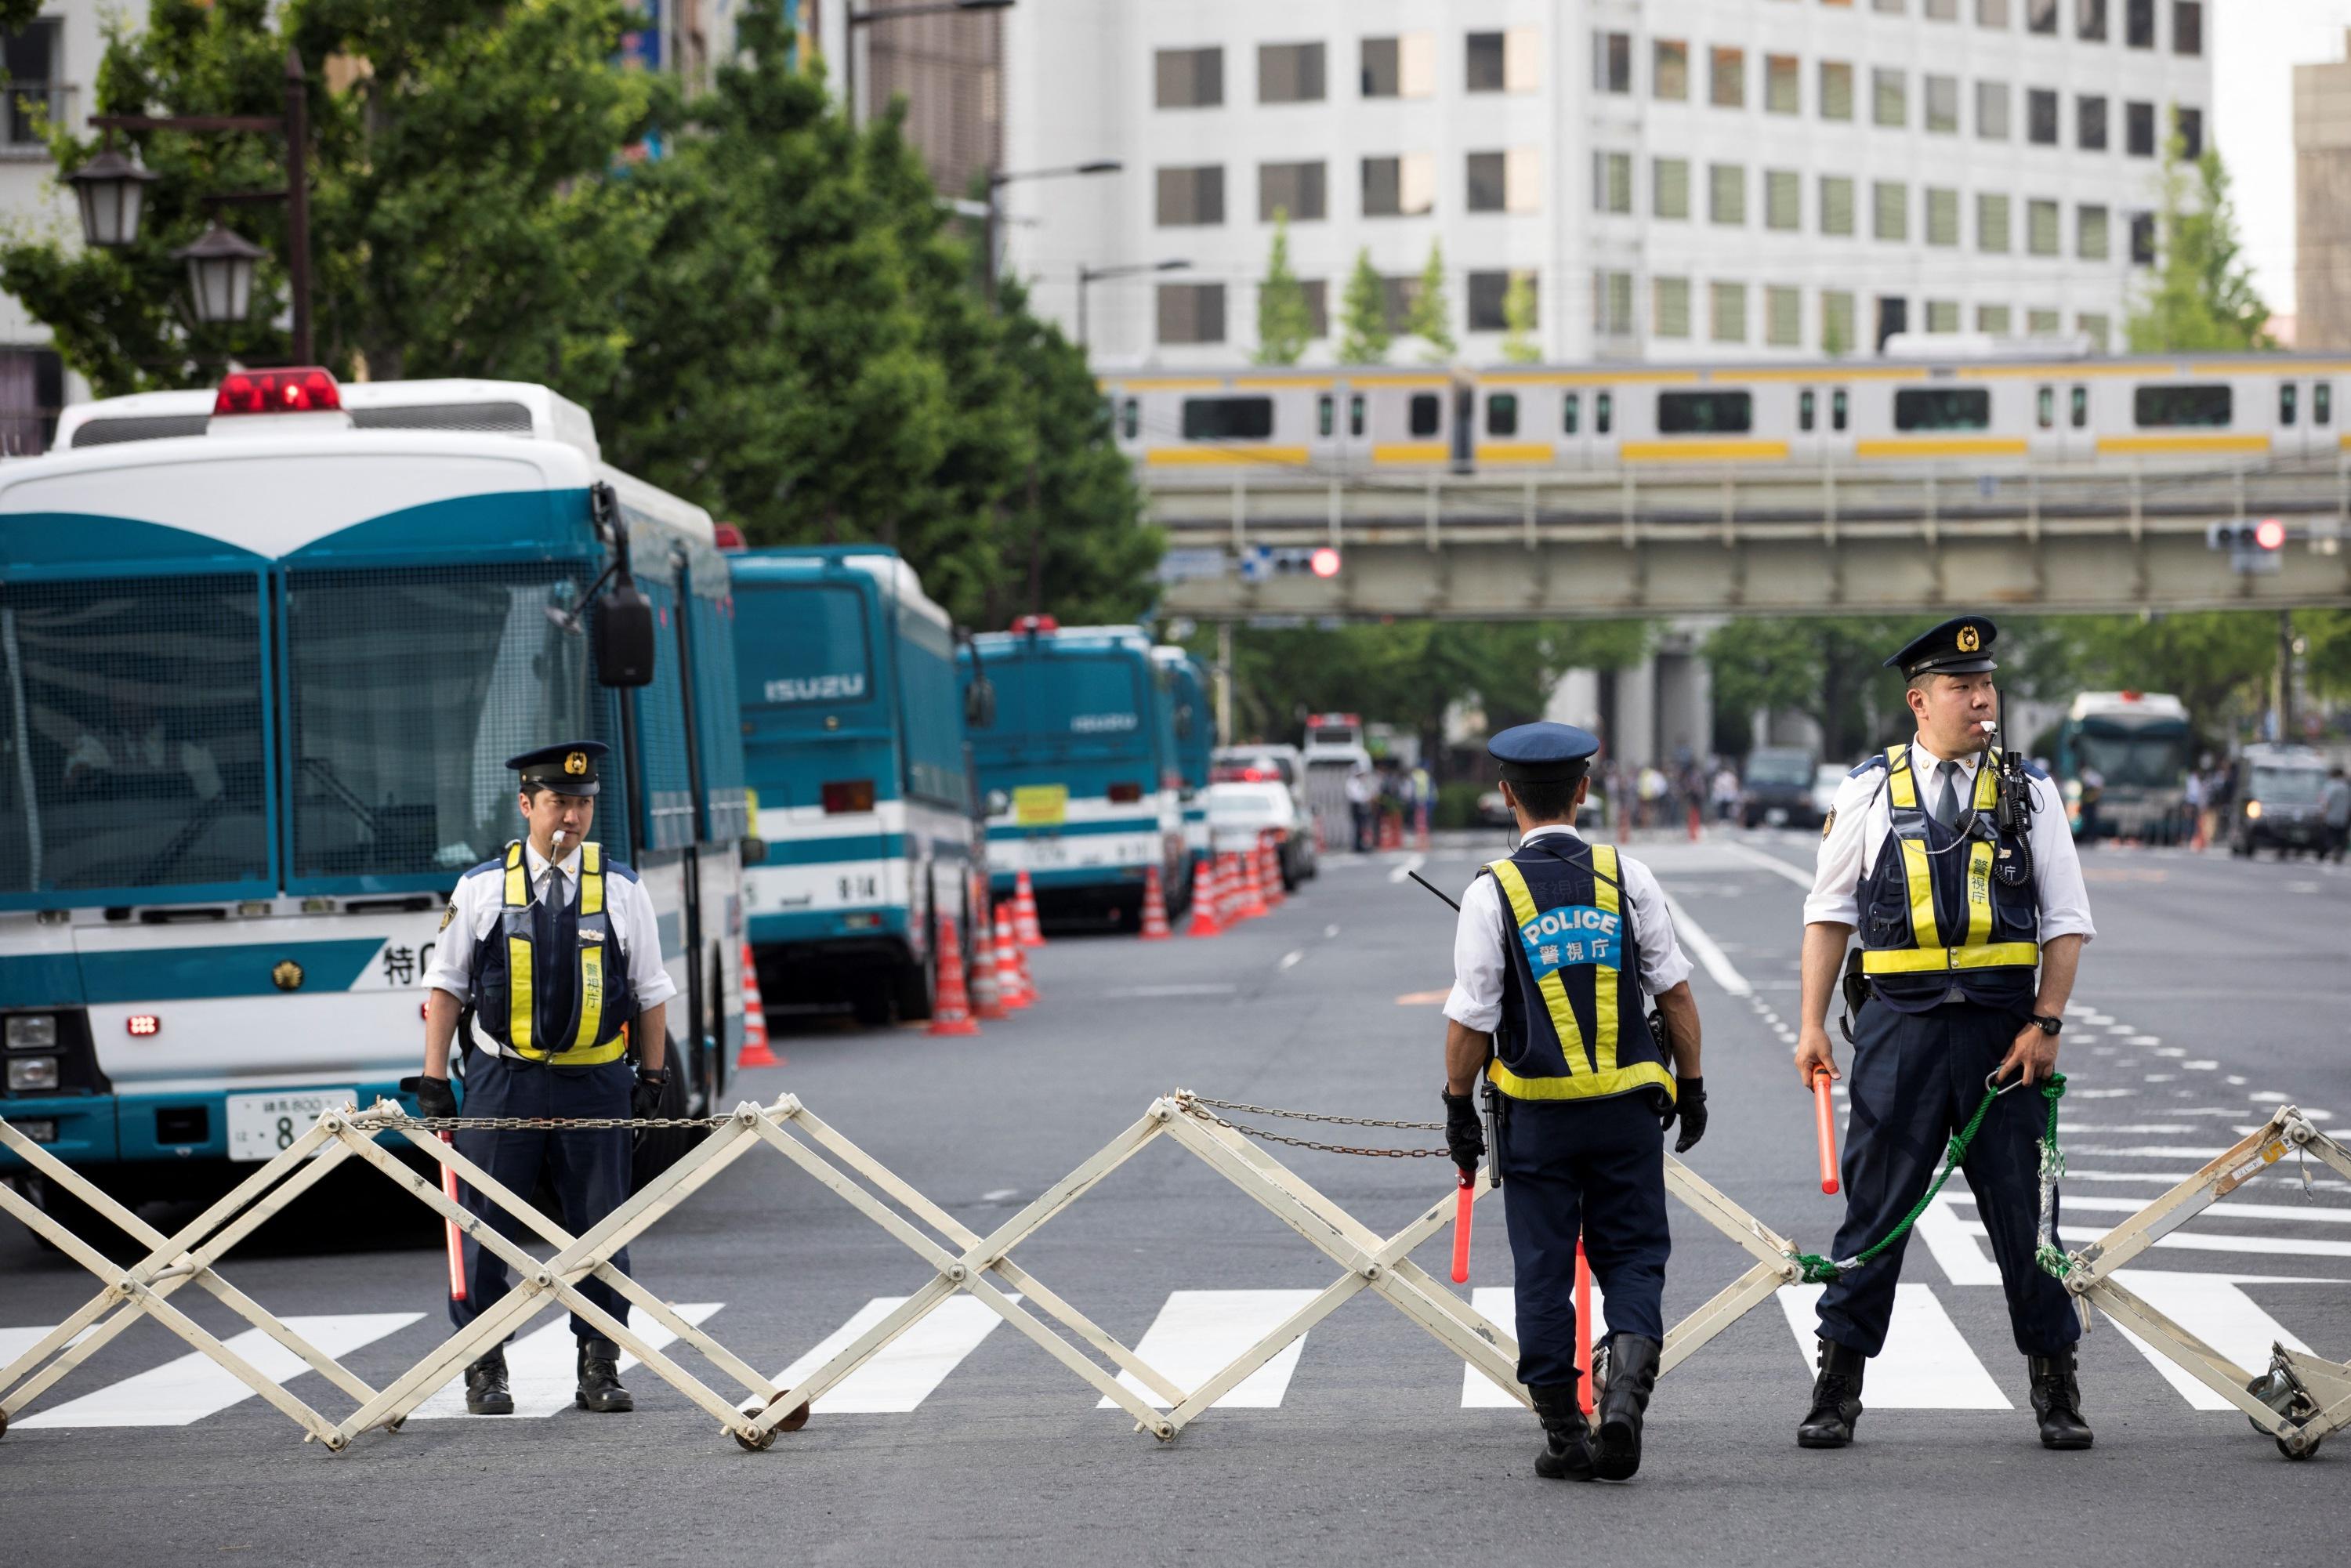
[2013, 409]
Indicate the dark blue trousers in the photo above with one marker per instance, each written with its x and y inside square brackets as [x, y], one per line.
[1597, 1167]
[588, 1168]
[1915, 1080]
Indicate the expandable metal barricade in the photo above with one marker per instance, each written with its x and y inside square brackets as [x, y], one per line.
[2298, 1400]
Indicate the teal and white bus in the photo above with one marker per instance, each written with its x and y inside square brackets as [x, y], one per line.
[853, 734]
[263, 655]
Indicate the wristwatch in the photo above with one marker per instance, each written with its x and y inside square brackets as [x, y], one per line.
[2047, 1026]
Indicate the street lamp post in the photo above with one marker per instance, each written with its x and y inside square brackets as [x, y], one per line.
[998, 180]
[1089, 275]
[856, 19]
[110, 189]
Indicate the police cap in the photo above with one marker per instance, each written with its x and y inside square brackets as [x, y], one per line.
[1959, 646]
[569, 769]
[1544, 753]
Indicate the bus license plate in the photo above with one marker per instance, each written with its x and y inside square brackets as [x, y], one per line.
[260, 1126]
[1047, 854]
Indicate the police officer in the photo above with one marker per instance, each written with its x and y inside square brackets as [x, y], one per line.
[552, 949]
[1954, 915]
[1557, 949]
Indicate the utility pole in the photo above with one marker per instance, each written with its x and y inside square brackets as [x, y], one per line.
[1224, 683]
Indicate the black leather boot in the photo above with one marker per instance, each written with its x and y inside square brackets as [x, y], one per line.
[487, 1393]
[1837, 1398]
[1567, 1438]
[1632, 1375]
[2057, 1401]
[600, 1378]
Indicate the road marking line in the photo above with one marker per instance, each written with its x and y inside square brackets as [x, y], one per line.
[2324, 1214]
[1757, 858]
[543, 1367]
[2216, 1310]
[1946, 1236]
[2196, 1241]
[904, 1372]
[192, 1386]
[1718, 966]
[1127, 993]
[1499, 1305]
[998, 1195]
[1927, 1365]
[1289, 959]
[1410, 864]
[1198, 1333]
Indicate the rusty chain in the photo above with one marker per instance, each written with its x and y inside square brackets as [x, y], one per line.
[545, 1123]
[1197, 1106]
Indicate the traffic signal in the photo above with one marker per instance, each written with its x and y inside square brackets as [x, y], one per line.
[1260, 562]
[2252, 547]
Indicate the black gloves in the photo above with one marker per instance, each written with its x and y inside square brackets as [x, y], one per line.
[434, 1095]
[1464, 1139]
[1689, 1104]
[645, 1099]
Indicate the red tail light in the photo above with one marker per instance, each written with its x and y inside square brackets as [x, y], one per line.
[302, 389]
[1032, 624]
[1125, 794]
[849, 795]
[142, 1025]
[726, 537]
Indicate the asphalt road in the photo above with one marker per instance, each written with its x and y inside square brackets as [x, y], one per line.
[2215, 987]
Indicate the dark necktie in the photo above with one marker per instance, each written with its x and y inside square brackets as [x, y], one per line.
[1947, 793]
[558, 945]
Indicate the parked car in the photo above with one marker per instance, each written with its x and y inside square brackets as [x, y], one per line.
[1777, 788]
[1493, 812]
[1241, 813]
[1827, 779]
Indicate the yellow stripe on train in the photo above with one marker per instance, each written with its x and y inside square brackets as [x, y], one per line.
[2125, 445]
[1219, 456]
[1411, 451]
[1943, 446]
[1514, 452]
[1703, 450]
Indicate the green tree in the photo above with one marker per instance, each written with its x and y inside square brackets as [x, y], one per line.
[1826, 666]
[1364, 335]
[2203, 295]
[1519, 345]
[1430, 318]
[1284, 322]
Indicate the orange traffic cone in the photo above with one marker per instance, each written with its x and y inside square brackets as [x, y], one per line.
[1024, 912]
[1269, 859]
[1009, 992]
[1391, 832]
[755, 1052]
[1027, 981]
[987, 991]
[1204, 900]
[951, 1013]
[1252, 894]
[1154, 907]
[1420, 827]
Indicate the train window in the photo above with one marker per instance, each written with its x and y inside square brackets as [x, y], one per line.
[1805, 409]
[1705, 413]
[1227, 418]
[2081, 407]
[1426, 410]
[2286, 402]
[1325, 414]
[2161, 406]
[1502, 413]
[2322, 402]
[1571, 408]
[1603, 409]
[2044, 407]
[1355, 414]
[1837, 409]
[1129, 419]
[1942, 408]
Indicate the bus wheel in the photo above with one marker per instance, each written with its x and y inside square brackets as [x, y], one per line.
[918, 986]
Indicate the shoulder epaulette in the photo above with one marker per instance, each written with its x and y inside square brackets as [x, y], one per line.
[1875, 759]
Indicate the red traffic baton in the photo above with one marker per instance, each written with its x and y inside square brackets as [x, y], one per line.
[1824, 1132]
[1463, 1197]
[1584, 1394]
[456, 1246]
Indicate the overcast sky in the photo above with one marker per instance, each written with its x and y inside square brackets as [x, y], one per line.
[2256, 44]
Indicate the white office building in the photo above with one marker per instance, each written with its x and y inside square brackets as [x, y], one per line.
[1677, 178]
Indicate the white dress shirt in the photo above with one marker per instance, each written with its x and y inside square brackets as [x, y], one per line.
[1480, 957]
[480, 899]
[1857, 830]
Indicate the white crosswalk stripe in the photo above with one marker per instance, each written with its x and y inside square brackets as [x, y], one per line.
[1198, 1333]
[192, 1386]
[903, 1372]
[543, 1367]
[1500, 1304]
[1926, 1363]
[2216, 1310]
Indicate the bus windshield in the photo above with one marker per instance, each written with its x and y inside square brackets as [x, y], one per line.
[1083, 702]
[810, 652]
[2125, 756]
[2288, 786]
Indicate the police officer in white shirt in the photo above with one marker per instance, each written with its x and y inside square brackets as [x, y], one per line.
[1969, 939]
[1559, 948]
[554, 952]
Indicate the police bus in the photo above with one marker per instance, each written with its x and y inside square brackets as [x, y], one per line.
[2138, 747]
[853, 735]
[1075, 746]
[1185, 686]
[264, 652]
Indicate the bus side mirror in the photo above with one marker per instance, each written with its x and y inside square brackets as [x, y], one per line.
[623, 634]
[980, 704]
[998, 802]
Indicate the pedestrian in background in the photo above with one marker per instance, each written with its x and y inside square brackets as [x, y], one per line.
[2335, 810]
[1724, 791]
[1361, 793]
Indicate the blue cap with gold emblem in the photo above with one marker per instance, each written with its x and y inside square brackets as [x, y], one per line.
[569, 769]
[1544, 753]
[1959, 646]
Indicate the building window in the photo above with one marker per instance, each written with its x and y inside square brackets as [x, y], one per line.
[1942, 316]
[1943, 105]
[2186, 26]
[1991, 110]
[2099, 329]
[2090, 21]
[1730, 312]
[1670, 187]
[1991, 13]
[1727, 77]
[1725, 193]
[1784, 85]
[1289, 73]
[1889, 202]
[1192, 196]
[1784, 200]
[1836, 328]
[1669, 69]
[1299, 190]
[1889, 7]
[1611, 308]
[1487, 293]
[1611, 181]
[1836, 90]
[2142, 239]
[1836, 204]
[1190, 78]
[2090, 122]
[34, 94]
[1401, 67]
[2041, 15]
[2192, 133]
[1783, 317]
[2090, 233]
[1942, 10]
[1404, 187]
[1484, 57]
[2041, 229]
[1889, 97]
[1992, 319]
[1191, 312]
[1612, 62]
[1396, 296]
[2041, 116]
[32, 381]
[2138, 24]
[1670, 308]
[1503, 62]
[1318, 306]
[2043, 323]
[1942, 217]
[2138, 130]
[1992, 224]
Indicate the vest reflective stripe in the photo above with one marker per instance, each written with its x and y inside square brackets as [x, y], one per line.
[1935, 960]
[519, 1000]
[591, 879]
[1924, 952]
[1603, 998]
[521, 1021]
[1979, 894]
[1599, 1076]
[1921, 877]
[1554, 990]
